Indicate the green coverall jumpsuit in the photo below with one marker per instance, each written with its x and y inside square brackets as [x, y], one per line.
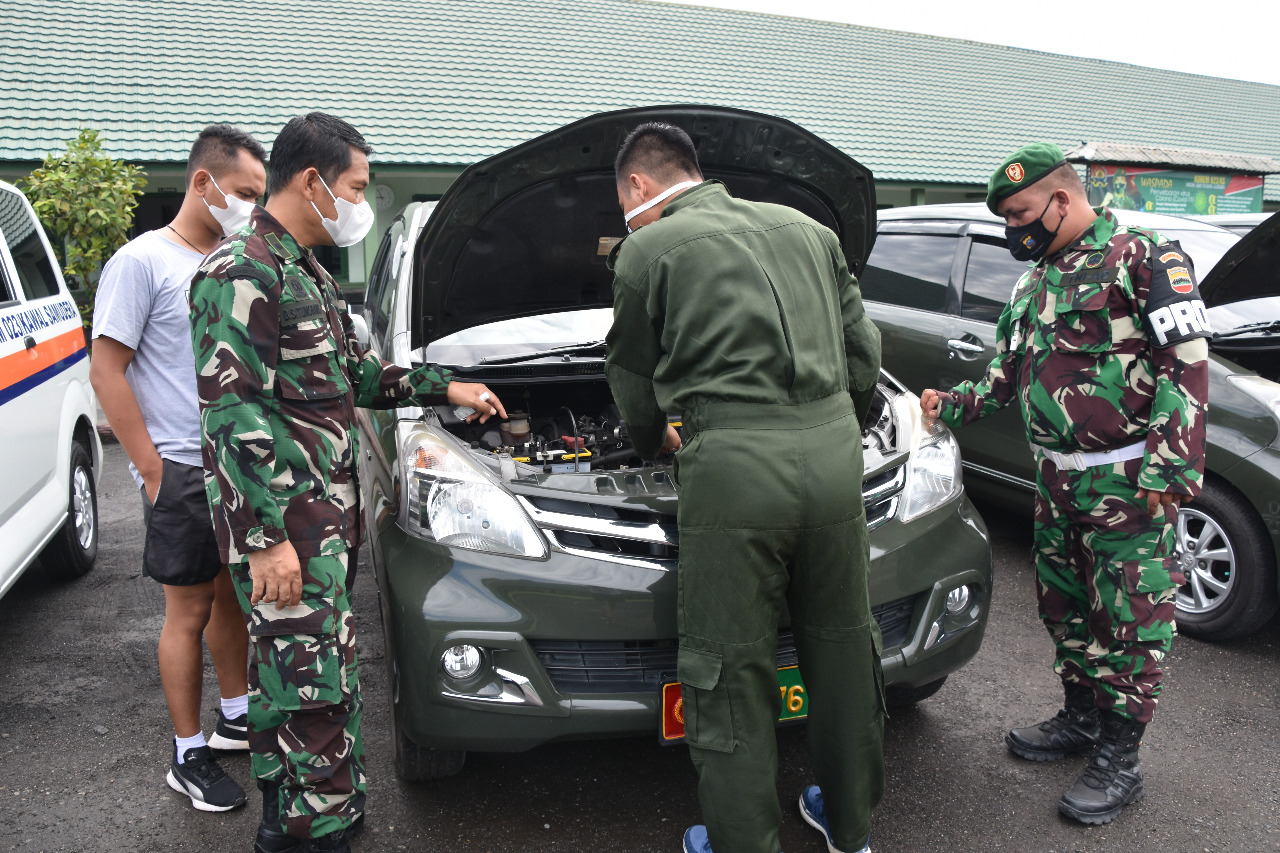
[744, 319]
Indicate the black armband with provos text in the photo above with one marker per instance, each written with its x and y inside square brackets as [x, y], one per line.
[1175, 311]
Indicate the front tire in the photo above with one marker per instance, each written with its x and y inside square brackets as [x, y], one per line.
[1230, 565]
[73, 549]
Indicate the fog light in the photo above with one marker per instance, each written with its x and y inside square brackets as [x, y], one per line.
[461, 661]
[958, 600]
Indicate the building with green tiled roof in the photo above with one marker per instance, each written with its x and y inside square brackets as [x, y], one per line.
[438, 84]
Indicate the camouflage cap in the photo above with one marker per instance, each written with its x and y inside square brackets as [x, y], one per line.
[1021, 169]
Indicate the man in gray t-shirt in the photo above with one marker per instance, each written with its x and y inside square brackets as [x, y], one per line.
[143, 371]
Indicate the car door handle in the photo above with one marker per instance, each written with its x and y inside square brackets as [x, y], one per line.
[964, 346]
[29, 342]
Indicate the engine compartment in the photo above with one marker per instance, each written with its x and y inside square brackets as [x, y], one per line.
[575, 426]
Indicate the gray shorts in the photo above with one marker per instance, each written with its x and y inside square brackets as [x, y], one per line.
[180, 548]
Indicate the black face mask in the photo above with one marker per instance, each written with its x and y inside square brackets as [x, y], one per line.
[1030, 242]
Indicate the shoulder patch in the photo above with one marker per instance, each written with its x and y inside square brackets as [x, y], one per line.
[1175, 311]
[250, 271]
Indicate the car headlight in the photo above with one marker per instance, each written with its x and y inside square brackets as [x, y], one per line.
[1266, 392]
[452, 499]
[933, 468]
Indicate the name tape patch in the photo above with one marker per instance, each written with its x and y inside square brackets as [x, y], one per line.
[296, 312]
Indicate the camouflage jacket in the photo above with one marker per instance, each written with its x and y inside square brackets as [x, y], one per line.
[279, 372]
[1103, 346]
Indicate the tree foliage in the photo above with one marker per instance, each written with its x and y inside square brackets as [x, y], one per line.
[85, 200]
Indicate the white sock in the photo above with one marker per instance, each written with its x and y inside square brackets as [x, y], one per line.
[184, 743]
[237, 707]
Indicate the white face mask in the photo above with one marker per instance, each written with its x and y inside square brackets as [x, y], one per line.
[353, 222]
[662, 196]
[234, 216]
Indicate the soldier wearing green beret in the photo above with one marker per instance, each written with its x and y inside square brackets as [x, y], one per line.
[1102, 346]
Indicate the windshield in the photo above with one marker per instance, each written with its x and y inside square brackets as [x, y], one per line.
[1248, 313]
[521, 335]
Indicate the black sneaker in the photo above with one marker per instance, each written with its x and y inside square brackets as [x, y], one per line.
[230, 735]
[207, 784]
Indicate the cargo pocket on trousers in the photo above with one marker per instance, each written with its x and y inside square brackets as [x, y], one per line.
[708, 717]
[1147, 613]
[300, 666]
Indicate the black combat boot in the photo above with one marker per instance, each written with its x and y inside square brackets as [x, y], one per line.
[271, 835]
[334, 842]
[1113, 778]
[1074, 730]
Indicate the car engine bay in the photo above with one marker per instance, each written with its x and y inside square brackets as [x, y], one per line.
[575, 426]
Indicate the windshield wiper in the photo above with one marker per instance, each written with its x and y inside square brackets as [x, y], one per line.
[566, 351]
[1270, 327]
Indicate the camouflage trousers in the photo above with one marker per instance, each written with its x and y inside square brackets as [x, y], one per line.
[304, 699]
[1106, 573]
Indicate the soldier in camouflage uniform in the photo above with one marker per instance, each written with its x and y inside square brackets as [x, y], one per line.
[1102, 346]
[280, 372]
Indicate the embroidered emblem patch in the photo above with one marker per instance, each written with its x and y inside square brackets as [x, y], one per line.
[1172, 257]
[1015, 172]
[1180, 279]
[295, 286]
[1094, 259]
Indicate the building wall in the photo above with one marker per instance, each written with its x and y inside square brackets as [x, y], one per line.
[163, 195]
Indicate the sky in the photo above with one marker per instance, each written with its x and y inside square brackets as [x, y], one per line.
[1238, 39]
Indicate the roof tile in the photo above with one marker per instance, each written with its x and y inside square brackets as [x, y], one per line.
[453, 81]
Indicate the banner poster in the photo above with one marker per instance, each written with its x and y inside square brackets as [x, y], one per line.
[1171, 191]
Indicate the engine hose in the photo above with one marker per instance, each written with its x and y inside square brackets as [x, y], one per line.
[615, 456]
[577, 440]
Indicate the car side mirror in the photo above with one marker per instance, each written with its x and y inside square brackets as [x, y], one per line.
[361, 328]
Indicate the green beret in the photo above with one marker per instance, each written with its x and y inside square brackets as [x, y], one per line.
[1021, 169]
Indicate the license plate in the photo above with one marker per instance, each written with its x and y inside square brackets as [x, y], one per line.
[795, 704]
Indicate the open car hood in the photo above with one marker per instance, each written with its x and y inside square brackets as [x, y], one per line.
[1249, 270]
[528, 231]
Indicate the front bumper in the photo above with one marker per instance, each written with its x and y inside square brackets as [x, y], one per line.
[576, 647]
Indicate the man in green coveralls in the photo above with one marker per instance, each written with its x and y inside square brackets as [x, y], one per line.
[279, 374]
[743, 318]
[1102, 346]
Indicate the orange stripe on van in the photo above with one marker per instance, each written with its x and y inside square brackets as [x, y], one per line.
[18, 366]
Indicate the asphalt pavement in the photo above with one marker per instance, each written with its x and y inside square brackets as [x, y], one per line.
[85, 741]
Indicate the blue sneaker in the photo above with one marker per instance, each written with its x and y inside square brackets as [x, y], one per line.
[696, 840]
[812, 812]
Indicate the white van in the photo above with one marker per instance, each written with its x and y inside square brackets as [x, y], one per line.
[49, 449]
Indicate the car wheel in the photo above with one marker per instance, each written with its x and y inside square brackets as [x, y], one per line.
[1227, 556]
[418, 763]
[74, 547]
[898, 696]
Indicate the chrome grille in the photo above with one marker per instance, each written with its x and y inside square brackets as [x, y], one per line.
[652, 539]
